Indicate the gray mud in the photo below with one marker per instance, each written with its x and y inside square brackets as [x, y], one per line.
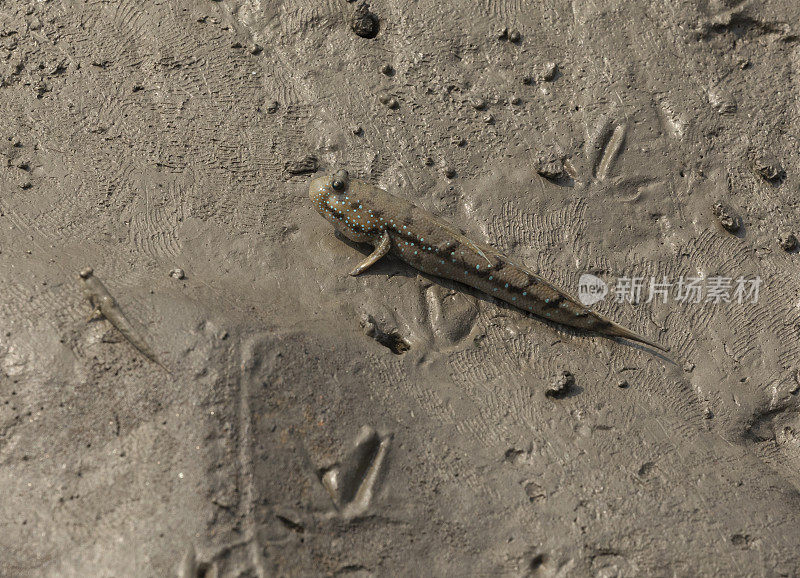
[292, 437]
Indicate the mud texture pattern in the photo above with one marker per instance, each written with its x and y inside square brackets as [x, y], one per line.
[315, 424]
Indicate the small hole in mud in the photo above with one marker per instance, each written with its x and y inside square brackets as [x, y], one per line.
[392, 340]
[537, 561]
[291, 524]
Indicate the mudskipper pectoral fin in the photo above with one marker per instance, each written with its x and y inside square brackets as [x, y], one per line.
[381, 250]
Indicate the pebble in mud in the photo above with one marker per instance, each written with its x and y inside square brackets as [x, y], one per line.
[477, 103]
[794, 388]
[623, 384]
[768, 168]
[722, 101]
[535, 492]
[177, 273]
[729, 220]
[488, 118]
[549, 165]
[21, 163]
[511, 35]
[364, 23]
[561, 386]
[788, 241]
[388, 101]
[549, 71]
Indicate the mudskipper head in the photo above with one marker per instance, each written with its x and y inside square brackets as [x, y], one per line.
[323, 188]
[336, 198]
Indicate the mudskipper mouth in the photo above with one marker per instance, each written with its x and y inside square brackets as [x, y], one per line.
[317, 187]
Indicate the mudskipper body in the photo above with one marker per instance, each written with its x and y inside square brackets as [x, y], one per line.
[367, 214]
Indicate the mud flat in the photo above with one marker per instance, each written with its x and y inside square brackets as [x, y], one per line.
[303, 422]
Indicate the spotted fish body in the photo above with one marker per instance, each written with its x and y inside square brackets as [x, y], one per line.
[367, 214]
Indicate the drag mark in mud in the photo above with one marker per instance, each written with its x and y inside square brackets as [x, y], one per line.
[106, 306]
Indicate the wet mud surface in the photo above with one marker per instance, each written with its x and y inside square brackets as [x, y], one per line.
[304, 422]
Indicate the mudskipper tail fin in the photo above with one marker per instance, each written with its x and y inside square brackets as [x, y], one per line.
[615, 330]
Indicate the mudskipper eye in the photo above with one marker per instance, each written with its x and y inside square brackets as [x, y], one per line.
[339, 182]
